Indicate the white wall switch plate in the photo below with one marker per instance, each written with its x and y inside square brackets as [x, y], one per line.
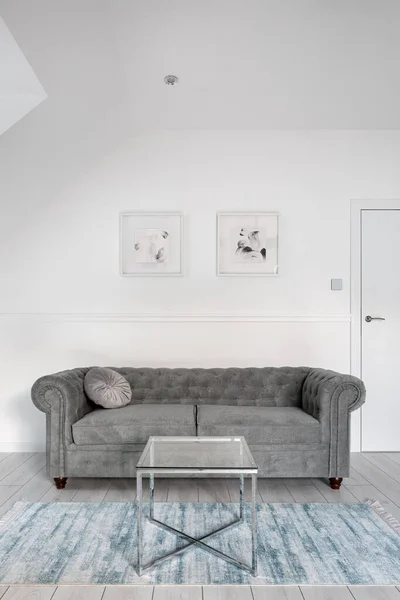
[336, 284]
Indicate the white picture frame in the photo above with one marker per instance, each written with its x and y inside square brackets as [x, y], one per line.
[239, 255]
[151, 244]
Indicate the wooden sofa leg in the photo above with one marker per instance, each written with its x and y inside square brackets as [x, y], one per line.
[335, 482]
[60, 482]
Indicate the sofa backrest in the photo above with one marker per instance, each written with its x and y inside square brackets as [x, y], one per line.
[266, 386]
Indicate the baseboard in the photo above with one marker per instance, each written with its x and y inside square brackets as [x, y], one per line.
[22, 447]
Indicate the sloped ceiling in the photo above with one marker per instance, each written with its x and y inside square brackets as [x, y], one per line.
[280, 64]
[72, 50]
[20, 89]
[242, 63]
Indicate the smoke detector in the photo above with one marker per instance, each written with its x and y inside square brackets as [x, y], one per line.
[171, 79]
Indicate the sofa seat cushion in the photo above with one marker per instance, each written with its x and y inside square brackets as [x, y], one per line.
[134, 424]
[260, 425]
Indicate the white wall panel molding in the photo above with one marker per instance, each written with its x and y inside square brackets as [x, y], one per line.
[178, 317]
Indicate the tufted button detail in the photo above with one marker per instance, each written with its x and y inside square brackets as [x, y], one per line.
[235, 386]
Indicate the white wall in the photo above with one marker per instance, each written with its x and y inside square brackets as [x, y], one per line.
[60, 263]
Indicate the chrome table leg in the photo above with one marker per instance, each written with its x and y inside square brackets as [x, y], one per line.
[139, 521]
[151, 496]
[253, 525]
[241, 497]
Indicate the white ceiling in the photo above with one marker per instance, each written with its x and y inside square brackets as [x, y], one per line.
[262, 63]
[241, 63]
[20, 89]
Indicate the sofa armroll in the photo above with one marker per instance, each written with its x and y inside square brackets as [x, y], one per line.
[61, 396]
[330, 397]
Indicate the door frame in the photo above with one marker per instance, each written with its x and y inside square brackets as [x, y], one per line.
[356, 208]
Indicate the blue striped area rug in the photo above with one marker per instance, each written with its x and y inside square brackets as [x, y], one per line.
[300, 544]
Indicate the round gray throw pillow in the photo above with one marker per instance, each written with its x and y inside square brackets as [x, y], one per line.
[107, 388]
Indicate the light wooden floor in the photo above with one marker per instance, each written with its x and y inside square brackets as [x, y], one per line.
[373, 475]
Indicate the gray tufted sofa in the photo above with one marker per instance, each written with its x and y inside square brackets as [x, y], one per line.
[295, 420]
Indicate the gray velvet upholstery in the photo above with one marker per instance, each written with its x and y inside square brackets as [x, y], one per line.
[134, 424]
[260, 425]
[296, 420]
[107, 388]
[251, 386]
[330, 397]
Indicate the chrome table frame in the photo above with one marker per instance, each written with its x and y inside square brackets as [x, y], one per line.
[200, 542]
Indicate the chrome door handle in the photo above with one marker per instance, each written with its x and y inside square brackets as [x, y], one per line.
[368, 318]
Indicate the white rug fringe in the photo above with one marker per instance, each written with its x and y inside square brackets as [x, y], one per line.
[384, 515]
[12, 514]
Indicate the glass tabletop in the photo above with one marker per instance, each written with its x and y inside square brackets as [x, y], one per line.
[197, 454]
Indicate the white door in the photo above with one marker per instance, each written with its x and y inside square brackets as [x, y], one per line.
[380, 343]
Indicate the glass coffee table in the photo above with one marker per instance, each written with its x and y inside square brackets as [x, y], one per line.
[196, 457]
